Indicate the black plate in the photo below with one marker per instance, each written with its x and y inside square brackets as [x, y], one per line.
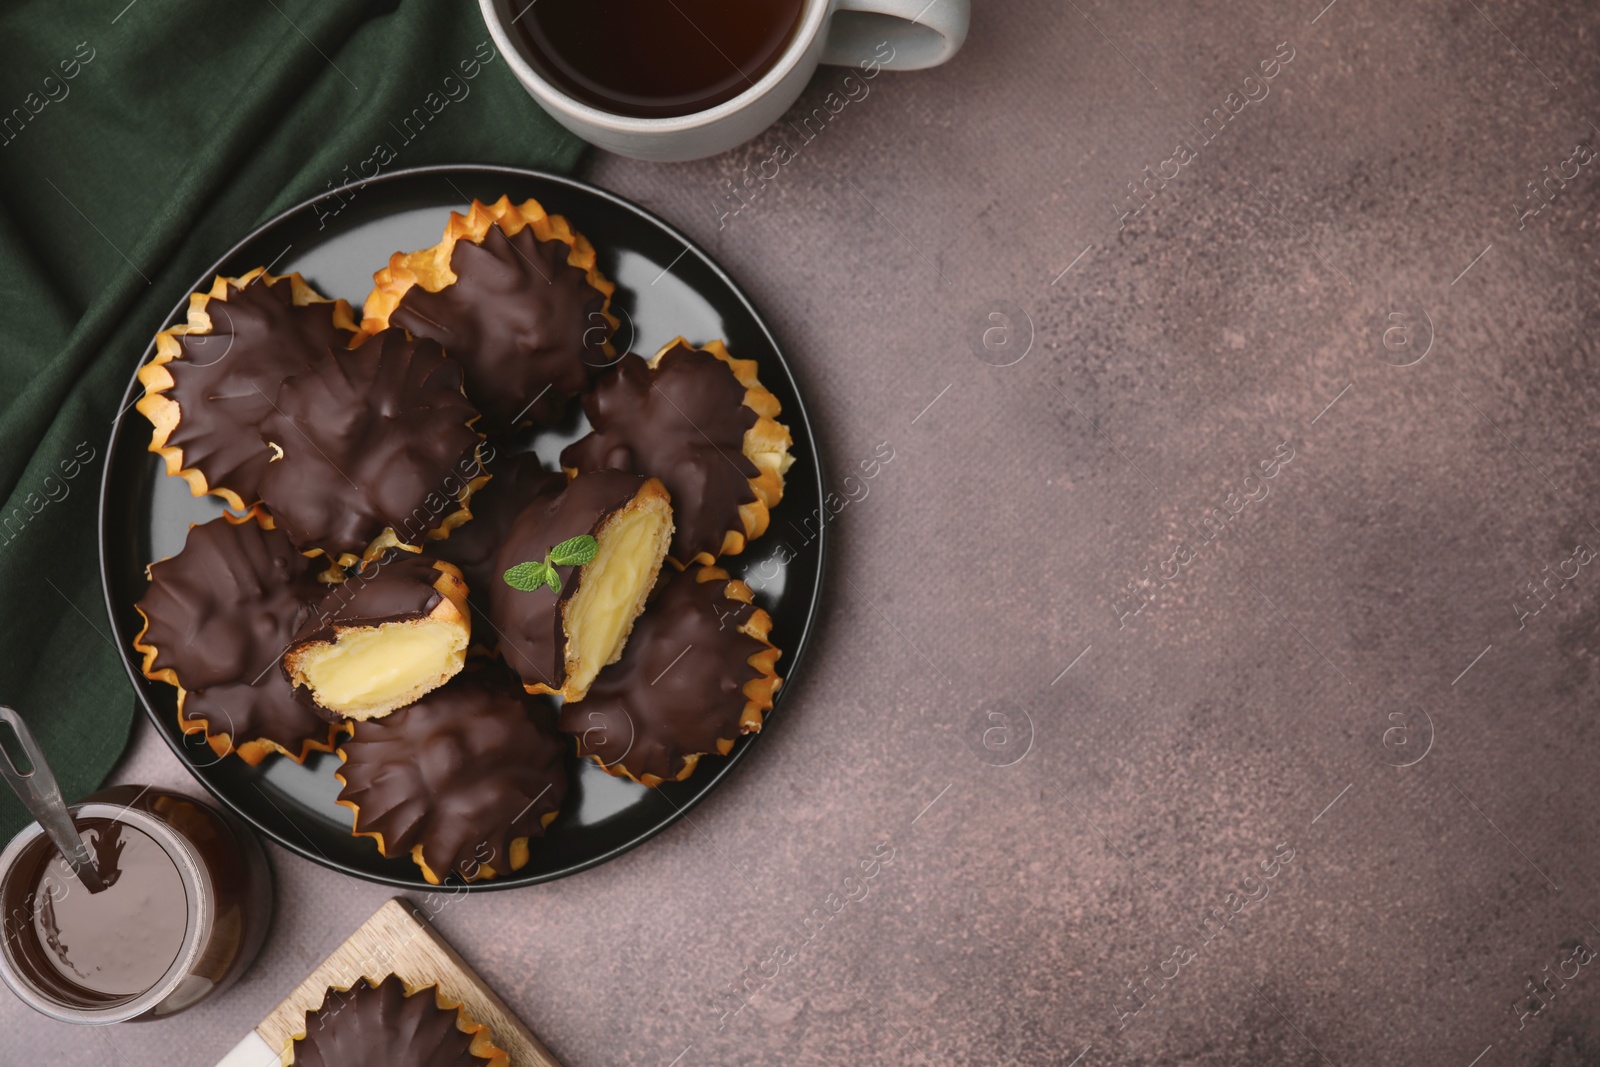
[665, 287]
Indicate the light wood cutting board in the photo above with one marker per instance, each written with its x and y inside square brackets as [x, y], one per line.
[393, 941]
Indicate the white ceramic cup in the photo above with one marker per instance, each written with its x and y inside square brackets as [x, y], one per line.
[913, 33]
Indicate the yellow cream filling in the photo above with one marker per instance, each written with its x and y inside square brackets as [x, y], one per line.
[602, 611]
[373, 671]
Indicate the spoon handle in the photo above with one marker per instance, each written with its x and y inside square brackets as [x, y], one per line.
[39, 793]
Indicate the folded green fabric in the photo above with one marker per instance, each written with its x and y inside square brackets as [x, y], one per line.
[138, 144]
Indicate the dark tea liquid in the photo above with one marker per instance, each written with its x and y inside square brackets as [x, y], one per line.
[656, 58]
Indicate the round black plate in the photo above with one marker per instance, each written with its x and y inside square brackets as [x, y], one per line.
[665, 287]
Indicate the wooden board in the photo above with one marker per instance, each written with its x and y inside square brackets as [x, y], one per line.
[394, 941]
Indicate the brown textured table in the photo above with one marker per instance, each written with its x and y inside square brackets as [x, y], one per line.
[1341, 679]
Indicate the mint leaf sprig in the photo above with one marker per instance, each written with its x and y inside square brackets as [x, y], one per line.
[573, 552]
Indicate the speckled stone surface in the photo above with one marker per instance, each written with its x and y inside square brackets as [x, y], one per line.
[1059, 717]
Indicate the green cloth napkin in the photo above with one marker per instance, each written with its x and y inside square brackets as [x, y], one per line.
[137, 144]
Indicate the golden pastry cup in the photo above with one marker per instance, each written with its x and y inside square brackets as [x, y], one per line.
[482, 1047]
[162, 410]
[388, 539]
[430, 267]
[766, 445]
[254, 750]
[758, 691]
[516, 851]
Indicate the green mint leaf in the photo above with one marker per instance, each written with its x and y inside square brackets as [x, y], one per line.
[552, 579]
[527, 577]
[574, 551]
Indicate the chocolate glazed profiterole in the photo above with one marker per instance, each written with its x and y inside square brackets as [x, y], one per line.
[218, 617]
[381, 638]
[375, 449]
[461, 779]
[385, 1026]
[213, 379]
[514, 295]
[557, 640]
[701, 421]
[697, 673]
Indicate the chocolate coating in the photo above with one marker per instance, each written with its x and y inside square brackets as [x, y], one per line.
[517, 481]
[683, 422]
[465, 770]
[221, 613]
[679, 686]
[372, 438]
[532, 638]
[379, 1026]
[396, 587]
[525, 324]
[226, 380]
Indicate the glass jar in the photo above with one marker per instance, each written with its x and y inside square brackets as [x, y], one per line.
[185, 884]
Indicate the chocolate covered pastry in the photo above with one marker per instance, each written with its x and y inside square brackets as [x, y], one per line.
[374, 449]
[558, 638]
[389, 1025]
[390, 632]
[213, 380]
[701, 421]
[698, 672]
[218, 617]
[514, 295]
[461, 779]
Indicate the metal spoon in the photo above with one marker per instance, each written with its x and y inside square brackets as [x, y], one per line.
[39, 793]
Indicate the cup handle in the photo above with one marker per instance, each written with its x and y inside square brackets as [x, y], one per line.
[895, 34]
